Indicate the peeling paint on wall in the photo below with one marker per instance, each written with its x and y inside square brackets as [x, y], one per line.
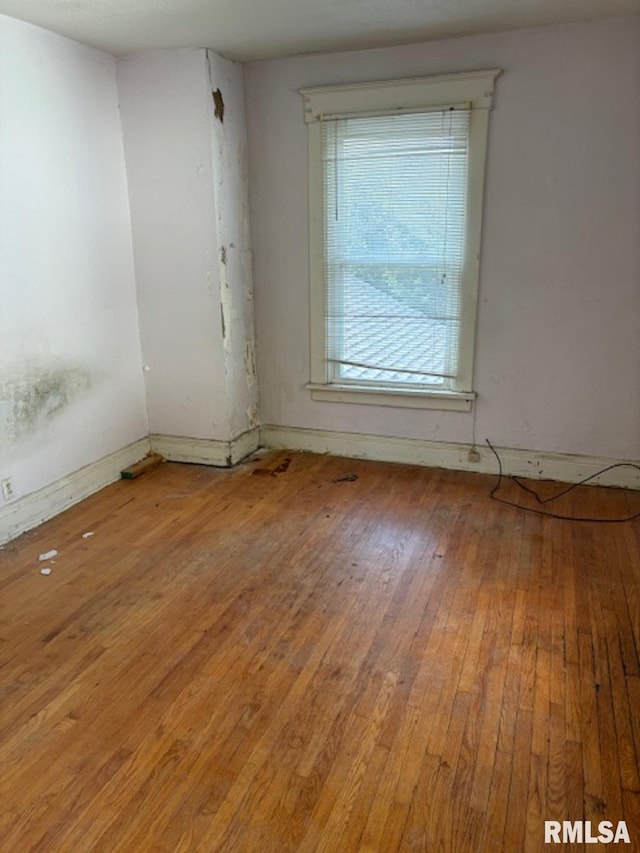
[250, 362]
[30, 401]
[223, 323]
[225, 302]
[235, 360]
[218, 105]
[252, 416]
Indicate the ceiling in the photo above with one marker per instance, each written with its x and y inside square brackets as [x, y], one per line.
[261, 29]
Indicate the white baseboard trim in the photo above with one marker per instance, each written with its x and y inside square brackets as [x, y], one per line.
[206, 451]
[27, 512]
[537, 465]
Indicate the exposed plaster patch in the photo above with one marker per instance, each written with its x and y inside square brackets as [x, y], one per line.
[226, 306]
[218, 105]
[252, 415]
[222, 322]
[250, 362]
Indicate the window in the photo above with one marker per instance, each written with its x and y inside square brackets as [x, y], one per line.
[396, 182]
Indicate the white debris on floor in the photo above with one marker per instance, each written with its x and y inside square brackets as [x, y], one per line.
[48, 555]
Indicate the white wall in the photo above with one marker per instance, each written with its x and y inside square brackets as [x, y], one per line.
[71, 388]
[558, 343]
[188, 206]
[165, 106]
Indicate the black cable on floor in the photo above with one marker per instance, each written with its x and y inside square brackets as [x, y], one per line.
[561, 493]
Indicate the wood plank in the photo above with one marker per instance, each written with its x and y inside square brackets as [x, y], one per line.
[341, 655]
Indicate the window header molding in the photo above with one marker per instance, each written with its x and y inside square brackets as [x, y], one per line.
[471, 88]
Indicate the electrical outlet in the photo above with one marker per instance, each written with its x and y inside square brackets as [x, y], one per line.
[7, 490]
[473, 455]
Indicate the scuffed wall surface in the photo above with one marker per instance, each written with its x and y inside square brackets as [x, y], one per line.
[71, 386]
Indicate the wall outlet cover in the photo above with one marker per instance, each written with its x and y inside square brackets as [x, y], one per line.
[7, 490]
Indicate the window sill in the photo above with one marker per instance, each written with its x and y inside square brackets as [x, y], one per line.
[454, 401]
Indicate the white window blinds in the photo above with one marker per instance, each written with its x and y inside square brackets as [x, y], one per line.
[395, 196]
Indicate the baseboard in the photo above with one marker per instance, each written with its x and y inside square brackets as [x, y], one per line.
[537, 465]
[33, 509]
[205, 451]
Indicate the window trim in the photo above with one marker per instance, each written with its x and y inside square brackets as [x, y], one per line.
[388, 97]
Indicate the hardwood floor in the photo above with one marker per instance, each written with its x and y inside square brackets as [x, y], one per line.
[318, 655]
